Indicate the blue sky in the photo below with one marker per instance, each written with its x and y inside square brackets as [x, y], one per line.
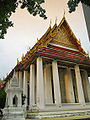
[27, 29]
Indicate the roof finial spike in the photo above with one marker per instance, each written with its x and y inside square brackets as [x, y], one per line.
[29, 48]
[22, 56]
[88, 53]
[56, 20]
[79, 42]
[17, 61]
[50, 22]
[64, 13]
[37, 40]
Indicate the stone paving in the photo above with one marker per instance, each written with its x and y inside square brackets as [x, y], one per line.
[85, 117]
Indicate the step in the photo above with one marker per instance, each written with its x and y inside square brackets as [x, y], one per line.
[55, 114]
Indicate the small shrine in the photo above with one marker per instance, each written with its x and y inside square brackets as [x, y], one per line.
[13, 108]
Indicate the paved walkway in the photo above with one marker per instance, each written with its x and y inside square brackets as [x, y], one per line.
[85, 117]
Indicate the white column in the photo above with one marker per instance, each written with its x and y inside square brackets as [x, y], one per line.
[40, 84]
[20, 80]
[25, 79]
[48, 84]
[79, 86]
[32, 85]
[56, 84]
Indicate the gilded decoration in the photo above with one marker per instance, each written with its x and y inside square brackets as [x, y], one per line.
[62, 38]
[17, 61]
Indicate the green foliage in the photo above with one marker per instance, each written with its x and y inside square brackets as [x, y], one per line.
[7, 7]
[72, 4]
[2, 98]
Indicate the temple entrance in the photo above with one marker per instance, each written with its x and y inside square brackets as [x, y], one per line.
[15, 101]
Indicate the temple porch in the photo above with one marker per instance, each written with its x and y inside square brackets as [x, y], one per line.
[51, 85]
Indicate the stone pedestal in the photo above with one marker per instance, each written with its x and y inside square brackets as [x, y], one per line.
[13, 113]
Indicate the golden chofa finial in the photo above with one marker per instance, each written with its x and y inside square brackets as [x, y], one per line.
[79, 42]
[37, 40]
[56, 20]
[17, 61]
[22, 56]
[64, 13]
[87, 54]
[29, 48]
[50, 22]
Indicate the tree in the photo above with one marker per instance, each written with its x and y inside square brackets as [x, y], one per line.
[7, 7]
[72, 4]
[2, 98]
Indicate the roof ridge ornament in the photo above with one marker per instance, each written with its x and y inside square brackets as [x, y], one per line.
[37, 39]
[64, 13]
[22, 56]
[50, 23]
[56, 20]
[87, 53]
[29, 48]
[17, 61]
[79, 42]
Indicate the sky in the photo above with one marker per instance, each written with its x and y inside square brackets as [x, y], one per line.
[27, 29]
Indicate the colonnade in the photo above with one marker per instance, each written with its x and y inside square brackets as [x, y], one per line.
[41, 81]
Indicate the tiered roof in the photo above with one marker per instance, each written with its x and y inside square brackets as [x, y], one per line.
[57, 43]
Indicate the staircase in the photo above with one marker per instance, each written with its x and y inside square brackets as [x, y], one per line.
[54, 114]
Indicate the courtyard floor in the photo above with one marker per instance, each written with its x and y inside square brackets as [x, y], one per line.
[85, 117]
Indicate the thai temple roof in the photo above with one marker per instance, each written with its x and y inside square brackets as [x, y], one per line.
[60, 43]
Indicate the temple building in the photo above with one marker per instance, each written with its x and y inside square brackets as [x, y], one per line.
[54, 74]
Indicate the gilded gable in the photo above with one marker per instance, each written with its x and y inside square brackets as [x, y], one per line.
[63, 38]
